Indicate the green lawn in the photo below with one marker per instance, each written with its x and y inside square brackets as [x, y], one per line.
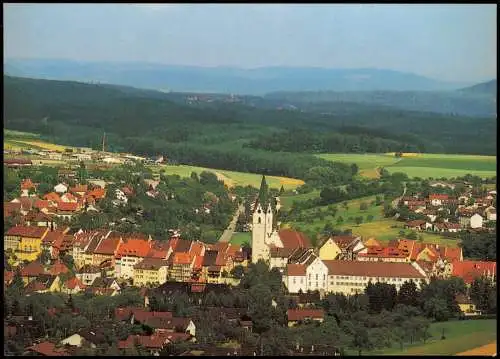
[241, 237]
[234, 178]
[460, 336]
[420, 165]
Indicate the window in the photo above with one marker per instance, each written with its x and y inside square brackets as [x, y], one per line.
[309, 276]
[301, 280]
[324, 276]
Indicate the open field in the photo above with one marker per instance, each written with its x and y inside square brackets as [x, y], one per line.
[423, 165]
[460, 336]
[19, 134]
[236, 178]
[241, 237]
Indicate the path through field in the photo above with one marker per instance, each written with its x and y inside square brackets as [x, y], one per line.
[228, 233]
[488, 349]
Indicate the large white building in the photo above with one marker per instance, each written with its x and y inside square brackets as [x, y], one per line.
[348, 277]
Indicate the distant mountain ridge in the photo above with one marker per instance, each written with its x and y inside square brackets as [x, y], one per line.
[258, 81]
[487, 88]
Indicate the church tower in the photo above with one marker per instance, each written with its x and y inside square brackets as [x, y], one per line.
[262, 225]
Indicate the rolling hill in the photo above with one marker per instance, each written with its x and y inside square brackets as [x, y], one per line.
[256, 81]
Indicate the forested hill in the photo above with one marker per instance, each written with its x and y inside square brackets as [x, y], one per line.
[473, 101]
[215, 135]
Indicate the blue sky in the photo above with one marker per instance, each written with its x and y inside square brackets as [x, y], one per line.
[446, 42]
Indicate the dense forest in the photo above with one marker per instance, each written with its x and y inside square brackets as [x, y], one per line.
[232, 136]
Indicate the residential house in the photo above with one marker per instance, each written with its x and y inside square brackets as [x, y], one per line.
[350, 246]
[45, 283]
[69, 198]
[79, 190]
[11, 209]
[88, 274]
[317, 273]
[106, 250]
[438, 199]
[279, 257]
[73, 286]
[83, 246]
[309, 275]
[211, 273]
[26, 187]
[67, 210]
[470, 219]
[466, 305]
[416, 225]
[351, 277]
[295, 278]
[66, 173]
[329, 250]
[447, 227]
[104, 286]
[491, 213]
[61, 188]
[25, 241]
[150, 271]
[181, 266]
[32, 271]
[53, 240]
[297, 316]
[131, 252]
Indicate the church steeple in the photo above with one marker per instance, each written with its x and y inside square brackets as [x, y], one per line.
[263, 193]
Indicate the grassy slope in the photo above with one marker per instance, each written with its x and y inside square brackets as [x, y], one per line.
[381, 228]
[460, 336]
[420, 165]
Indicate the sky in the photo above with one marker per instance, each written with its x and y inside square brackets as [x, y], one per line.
[445, 42]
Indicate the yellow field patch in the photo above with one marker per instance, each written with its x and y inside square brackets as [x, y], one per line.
[488, 349]
[46, 145]
[405, 154]
[227, 181]
[290, 181]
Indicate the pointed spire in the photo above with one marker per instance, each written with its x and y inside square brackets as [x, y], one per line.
[263, 192]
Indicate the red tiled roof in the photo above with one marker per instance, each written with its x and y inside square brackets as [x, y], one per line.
[53, 236]
[415, 223]
[438, 196]
[125, 313]
[27, 231]
[48, 349]
[67, 206]
[27, 184]
[9, 208]
[97, 193]
[452, 254]
[196, 249]
[294, 239]
[182, 258]
[296, 270]
[73, 283]
[79, 188]
[198, 262]
[33, 269]
[469, 270]
[26, 203]
[141, 315]
[221, 259]
[52, 196]
[372, 269]
[157, 253]
[40, 204]
[58, 267]
[301, 314]
[127, 191]
[150, 342]
[343, 241]
[134, 247]
[151, 264]
[183, 246]
[384, 252]
[108, 246]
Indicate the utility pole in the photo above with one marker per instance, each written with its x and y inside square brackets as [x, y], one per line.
[103, 141]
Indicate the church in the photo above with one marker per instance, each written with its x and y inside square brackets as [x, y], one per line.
[266, 236]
